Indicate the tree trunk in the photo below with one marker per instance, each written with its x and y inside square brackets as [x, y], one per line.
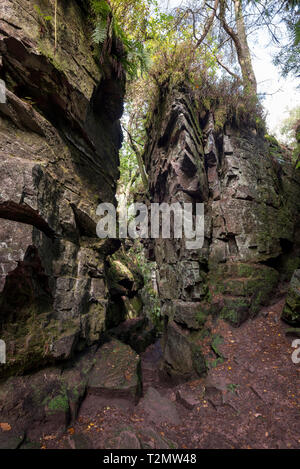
[139, 159]
[241, 44]
[245, 56]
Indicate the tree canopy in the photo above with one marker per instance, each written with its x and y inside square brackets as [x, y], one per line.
[204, 42]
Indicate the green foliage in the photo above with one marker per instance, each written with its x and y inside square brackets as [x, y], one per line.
[100, 32]
[45, 22]
[137, 60]
[216, 341]
[276, 151]
[128, 170]
[290, 133]
[215, 363]
[276, 13]
[110, 24]
[151, 297]
[59, 403]
[201, 317]
[289, 57]
[133, 122]
[272, 140]
[227, 101]
[233, 388]
[288, 126]
[41, 15]
[100, 8]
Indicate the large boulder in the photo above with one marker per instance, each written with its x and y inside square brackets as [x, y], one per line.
[124, 281]
[125, 278]
[51, 397]
[116, 373]
[139, 333]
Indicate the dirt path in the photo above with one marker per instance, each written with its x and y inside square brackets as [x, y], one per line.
[250, 398]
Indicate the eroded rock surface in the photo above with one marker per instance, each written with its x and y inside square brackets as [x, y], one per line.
[251, 196]
[59, 141]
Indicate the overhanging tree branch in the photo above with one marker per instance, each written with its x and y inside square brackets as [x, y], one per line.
[234, 75]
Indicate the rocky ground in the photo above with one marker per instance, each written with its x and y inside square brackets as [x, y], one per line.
[249, 399]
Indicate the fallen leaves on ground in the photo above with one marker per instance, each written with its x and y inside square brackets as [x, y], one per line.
[49, 437]
[5, 427]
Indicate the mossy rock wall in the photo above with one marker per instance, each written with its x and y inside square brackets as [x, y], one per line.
[59, 141]
[251, 196]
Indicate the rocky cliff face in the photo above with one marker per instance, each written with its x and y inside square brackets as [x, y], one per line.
[64, 294]
[60, 136]
[251, 194]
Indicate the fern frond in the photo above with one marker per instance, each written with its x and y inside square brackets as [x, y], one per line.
[136, 59]
[100, 32]
[139, 57]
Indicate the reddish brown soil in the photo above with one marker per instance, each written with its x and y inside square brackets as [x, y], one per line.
[252, 399]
